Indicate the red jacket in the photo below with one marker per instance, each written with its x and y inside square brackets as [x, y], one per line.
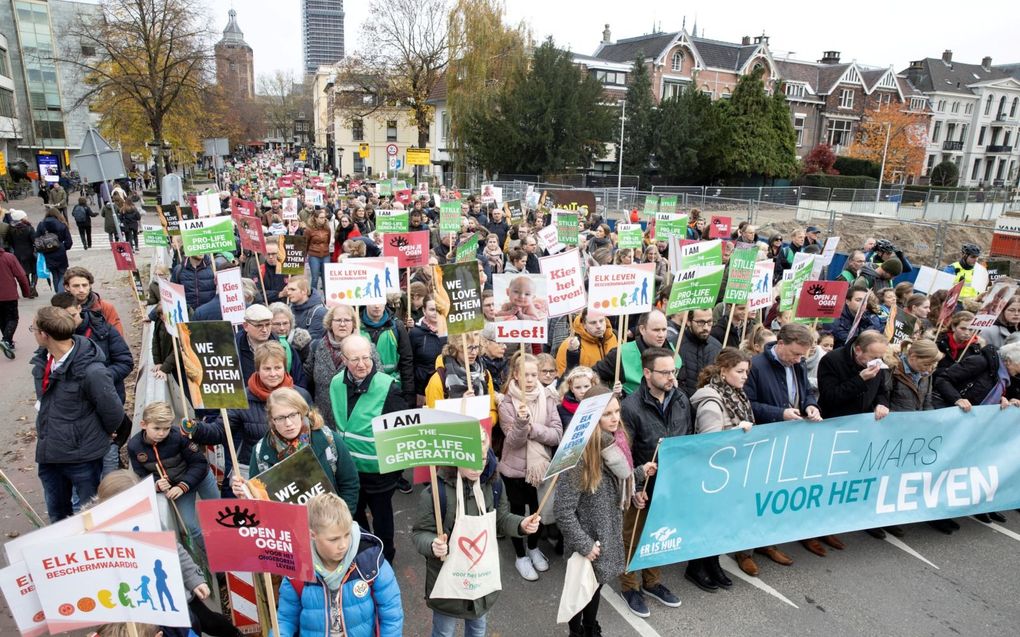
[11, 276]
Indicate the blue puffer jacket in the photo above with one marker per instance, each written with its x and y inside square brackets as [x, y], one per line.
[199, 283]
[369, 601]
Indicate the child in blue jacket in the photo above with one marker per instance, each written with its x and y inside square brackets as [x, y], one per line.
[355, 592]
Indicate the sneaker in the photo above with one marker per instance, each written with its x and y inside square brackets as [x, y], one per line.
[636, 603]
[526, 568]
[662, 594]
[404, 486]
[7, 349]
[538, 560]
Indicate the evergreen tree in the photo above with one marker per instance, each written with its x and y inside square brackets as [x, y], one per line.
[750, 138]
[688, 144]
[785, 148]
[639, 131]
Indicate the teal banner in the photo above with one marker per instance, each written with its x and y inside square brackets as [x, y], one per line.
[728, 491]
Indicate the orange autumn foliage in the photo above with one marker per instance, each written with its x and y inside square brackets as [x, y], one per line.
[908, 135]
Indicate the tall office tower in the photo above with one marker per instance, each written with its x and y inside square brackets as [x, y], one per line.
[323, 24]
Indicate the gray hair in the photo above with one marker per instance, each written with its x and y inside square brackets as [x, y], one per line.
[1010, 353]
[248, 290]
[282, 308]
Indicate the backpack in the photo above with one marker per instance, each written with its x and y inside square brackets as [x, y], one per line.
[47, 243]
[80, 214]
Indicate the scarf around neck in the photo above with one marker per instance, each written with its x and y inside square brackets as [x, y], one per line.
[537, 454]
[334, 579]
[617, 460]
[286, 448]
[456, 378]
[734, 402]
[259, 390]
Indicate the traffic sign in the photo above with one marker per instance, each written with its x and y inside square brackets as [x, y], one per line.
[418, 156]
[363, 150]
[392, 163]
[391, 150]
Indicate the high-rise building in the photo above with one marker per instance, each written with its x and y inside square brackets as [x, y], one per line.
[235, 60]
[322, 24]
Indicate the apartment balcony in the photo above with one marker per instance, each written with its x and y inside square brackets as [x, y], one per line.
[998, 148]
[948, 145]
[1005, 118]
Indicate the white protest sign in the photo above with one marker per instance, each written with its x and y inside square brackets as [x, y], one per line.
[929, 280]
[761, 286]
[354, 282]
[289, 207]
[22, 600]
[566, 284]
[615, 290]
[174, 305]
[392, 274]
[478, 407]
[829, 250]
[313, 197]
[584, 423]
[979, 280]
[208, 204]
[231, 293]
[521, 308]
[549, 239]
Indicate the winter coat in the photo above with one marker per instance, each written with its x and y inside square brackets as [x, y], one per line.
[585, 518]
[130, 219]
[841, 327]
[427, 345]
[119, 359]
[247, 358]
[211, 310]
[310, 314]
[56, 260]
[12, 276]
[868, 278]
[375, 611]
[842, 391]
[401, 367]
[176, 457]
[424, 531]
[996, 334]
[606, 368]
[972, 378]
[109, 222]
[80, 409]
[83, 215]
[58, 198]
[332, 455]
[199, 283]
[435, 390]
[647, 425]
[591, 351]
[274, 284]
[710, 416]
[695, 355]
[318, 241]
[21, 240]
[514, 461]
[904, 395]
[319, 371]
[766, 388]
[95, 303]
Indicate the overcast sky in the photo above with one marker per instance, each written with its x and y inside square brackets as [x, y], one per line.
[877, 33]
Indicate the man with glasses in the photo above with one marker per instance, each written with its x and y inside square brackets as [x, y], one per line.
[257, 329]
[656, 410]
[359, 394]
[698, 349]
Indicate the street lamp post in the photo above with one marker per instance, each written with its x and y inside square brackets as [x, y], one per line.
[619, 171]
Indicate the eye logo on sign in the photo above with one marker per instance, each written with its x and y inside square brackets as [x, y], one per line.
[236, 518]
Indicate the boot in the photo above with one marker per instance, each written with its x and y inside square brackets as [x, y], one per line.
[715, 572]
[595, 630]
[575, 627]
[34, 294]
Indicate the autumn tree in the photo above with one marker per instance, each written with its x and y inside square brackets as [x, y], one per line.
[821, 160]
[907, 134]
[282, 101]
[149, 66]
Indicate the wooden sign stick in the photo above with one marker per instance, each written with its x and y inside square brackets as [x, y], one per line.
[619, 349]
[30, 513]
[729, 324]
[637, 516]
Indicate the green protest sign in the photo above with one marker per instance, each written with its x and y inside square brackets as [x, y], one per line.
[696, 288]
[400, 184]
[468, 249]
[701, 253]
[651, 207]
[668, 224]
[212, 365]
[667, 204]
[459, 297]
[424, 437]
[385, 189]
[793, 280]
[738, 284]
[449, 217]
[391, 221]
[295, 480]
[566, 226]
[207, 235]
[630, 235]
[154, 237]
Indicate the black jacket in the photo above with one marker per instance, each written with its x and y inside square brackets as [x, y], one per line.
[696, 355]
[972, 378]
[841, 390]
[767, 391]
[80, 409]
[405, 355]
[181, 460]
[56, 260]
[199, 283]
[606, 368]
[427, 346]
[647, 423]
[118, 356]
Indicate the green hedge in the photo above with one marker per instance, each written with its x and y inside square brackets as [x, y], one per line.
[836, 181]
[851, 166]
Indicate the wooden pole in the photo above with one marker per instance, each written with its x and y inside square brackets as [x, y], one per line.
[440, 532]
[548, 494]
[814, 324]
[619, 350]
[180, 374]
[132, 629]
[637, 516]
[262, 281]
[729, 324]
[229, 435]
[680, 337]
[965, 348]
[408, 274]
[271, 600]
[30, 513]
[743, 328]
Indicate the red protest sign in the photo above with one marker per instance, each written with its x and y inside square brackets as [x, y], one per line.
[719, 227]
[249, 230]
[284, 182]
[949, 307]
[123, 257]
[257, 536]
[410, 248]
[240, 207]
[821, 299]
[403, 196]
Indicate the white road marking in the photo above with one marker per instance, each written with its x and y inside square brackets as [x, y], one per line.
[1002, 529]
[901, 545]
[641, 626]
[730, 565]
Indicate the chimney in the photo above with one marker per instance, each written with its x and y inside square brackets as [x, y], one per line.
[745, 41]
[761, 39]
[606, 36]
[986, 63]
[830, 57]
[947, 56]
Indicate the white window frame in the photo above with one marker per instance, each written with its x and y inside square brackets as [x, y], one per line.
[795, 90]
[798, 117]
[845, 131]
[678, 61]
[846, 98]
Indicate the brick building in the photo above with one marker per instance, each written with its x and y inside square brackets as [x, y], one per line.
[235, 61]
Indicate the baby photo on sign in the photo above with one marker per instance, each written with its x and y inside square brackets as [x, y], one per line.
[520, 297]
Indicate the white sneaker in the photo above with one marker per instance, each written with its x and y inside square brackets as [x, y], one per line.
[526, 568]
[538, 560]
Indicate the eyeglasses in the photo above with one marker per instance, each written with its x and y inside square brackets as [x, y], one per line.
[703, 323]
[280, 420]
[343, 321]
[360, 360]
[474, 348]
[261, 325]
[666, 372]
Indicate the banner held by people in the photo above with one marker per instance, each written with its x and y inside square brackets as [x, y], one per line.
[355, 282]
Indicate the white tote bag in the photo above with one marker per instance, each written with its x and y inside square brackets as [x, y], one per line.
[579, 585]
[471, 569]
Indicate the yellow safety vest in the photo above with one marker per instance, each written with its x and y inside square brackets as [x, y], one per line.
[967, 276]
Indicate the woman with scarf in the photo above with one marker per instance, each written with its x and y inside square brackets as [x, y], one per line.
[361, 220]
[957, 338]
[531, 427]
[293, 339]
[450, 380]
[293, 426]
[601, 238]
[427, 345]
[721, 404]
[345, 229]
[590, 501]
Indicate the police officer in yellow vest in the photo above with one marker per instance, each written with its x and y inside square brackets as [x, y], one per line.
[651, 332]
[963, 270]
[359, 394]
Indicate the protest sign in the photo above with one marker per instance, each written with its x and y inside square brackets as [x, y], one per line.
[423, 437]
[207, 236]
[450, 217]
[630, 235]
[231, 293]
[828, 251]
[667, 203]
[761, 295]
[566, 285]
[995, 302]
[668, 225]
[584, 423]
[22, 601]
[840, 475]
[391, 274]
[821, 299]
[154, 237]
[650, 207]
[104, 578]
[211, 364]
[208, 205]
[403, 196]
[459, 297]
[514, 211]
[467, 250]
[521, 307]
[170, 219]
[174, 305]
[615, 290]
[388, 221]
[798, 274]
[123, 257]
[549, 239]
[297, 479]
[904, 326]
[257, 536]
[700, 253]
[289, 208]
[249, 229]
[313, 197]
[738, 284]
[949, 306]
[385, 189]
[491, 194]
[355, 282]
[566, 226]
[719, 227]
[293, 248]
[411, 249]
[696, 288]
[929, 280]
[980, 279]
[239, 207]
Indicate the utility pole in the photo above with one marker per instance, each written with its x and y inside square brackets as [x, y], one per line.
[619, 172]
